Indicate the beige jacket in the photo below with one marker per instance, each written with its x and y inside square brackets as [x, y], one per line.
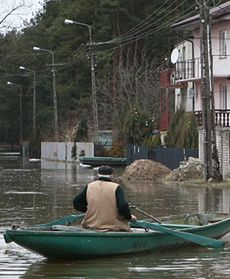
[102, 214]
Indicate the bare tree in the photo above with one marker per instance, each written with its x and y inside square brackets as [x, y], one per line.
[9, 10]
[136, 83]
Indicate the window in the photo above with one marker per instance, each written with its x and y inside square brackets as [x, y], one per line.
[223, 43]
[223, 96]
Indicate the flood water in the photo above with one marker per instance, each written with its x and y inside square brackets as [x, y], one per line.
[29, 195]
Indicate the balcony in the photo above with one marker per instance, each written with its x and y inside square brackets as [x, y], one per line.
[222, 118]
[168, 78]
[190, 70]
[187, 70]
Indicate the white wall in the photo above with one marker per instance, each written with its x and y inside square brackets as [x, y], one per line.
[62, 151]
[220, 64]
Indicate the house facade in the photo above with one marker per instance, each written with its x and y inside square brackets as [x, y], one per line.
[187, 71]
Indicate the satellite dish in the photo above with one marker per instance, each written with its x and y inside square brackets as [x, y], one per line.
[174, 55]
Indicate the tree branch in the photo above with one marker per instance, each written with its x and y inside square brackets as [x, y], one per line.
[11, 11]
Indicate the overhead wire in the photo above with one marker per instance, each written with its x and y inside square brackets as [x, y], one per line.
[43, 77]
[141, 36]
[220, 6]
[73, 59]
[133, 34]
[148, 24]
[130, 35]
[135, 28]
[142, 29]
[77, 52]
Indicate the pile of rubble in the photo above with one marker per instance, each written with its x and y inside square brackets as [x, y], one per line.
[150, 170]
[145, 170]
[190, 169]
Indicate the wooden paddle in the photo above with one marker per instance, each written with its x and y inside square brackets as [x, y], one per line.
[198, 239]
[145, 213]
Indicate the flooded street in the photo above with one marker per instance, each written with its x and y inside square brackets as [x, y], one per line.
[29, 195]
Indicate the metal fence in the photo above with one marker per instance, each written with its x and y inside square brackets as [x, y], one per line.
[168, 156]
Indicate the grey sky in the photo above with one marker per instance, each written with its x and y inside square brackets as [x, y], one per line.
[15, 20]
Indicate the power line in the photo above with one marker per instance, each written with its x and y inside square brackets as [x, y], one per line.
[145, 28]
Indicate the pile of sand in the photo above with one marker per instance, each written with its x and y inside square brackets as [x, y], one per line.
[145, 170]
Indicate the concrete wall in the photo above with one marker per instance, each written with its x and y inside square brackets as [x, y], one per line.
[223, 147]
[62, 151]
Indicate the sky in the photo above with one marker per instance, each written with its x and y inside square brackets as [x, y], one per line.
[15, 20]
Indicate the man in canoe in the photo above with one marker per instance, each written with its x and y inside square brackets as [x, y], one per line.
[104, 203]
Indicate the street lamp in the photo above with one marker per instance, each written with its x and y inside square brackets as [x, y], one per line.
[93, 80]
[34, 95]
[54, 90]
[20, 108]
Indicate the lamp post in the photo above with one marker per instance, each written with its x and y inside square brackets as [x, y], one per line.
[34, 95]
[93, 80]
[20, 108]
[54, 91]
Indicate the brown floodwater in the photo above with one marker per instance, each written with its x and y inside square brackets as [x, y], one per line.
[30, 195]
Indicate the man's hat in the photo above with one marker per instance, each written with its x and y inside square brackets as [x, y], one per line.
[105, 170]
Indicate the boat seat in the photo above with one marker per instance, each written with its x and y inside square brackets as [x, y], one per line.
[69, 228]
[80, 229]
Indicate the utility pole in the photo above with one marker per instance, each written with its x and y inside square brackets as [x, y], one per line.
[34, 95]
[215, 158]
[92, 66]
[20, 110]
[93, 84]
[205, 87]
[56, 132]
[211, 161]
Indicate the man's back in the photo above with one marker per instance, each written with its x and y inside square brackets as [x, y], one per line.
[102, 208]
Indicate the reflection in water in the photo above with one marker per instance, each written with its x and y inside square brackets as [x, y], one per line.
[214, 200]
[31, 195]
[192, 263]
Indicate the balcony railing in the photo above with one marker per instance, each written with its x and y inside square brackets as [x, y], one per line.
[222, 117]
[187, 69]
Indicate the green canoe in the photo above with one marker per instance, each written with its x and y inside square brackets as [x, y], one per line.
[60, 239]
[99, 161]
